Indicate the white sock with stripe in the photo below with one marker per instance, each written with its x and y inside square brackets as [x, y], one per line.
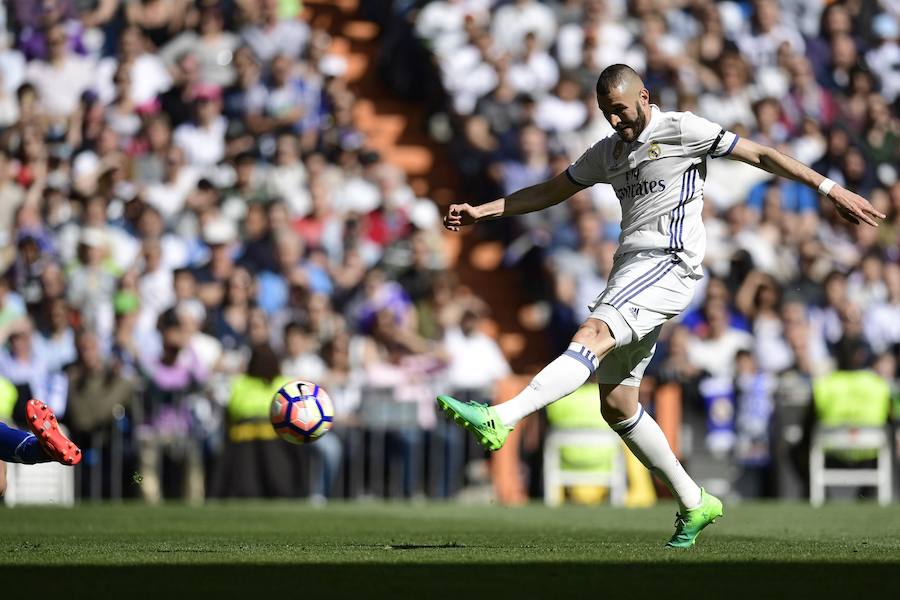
[560, 378]
[649, 444]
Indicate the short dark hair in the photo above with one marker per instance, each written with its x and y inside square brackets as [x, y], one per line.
[613, 76]
[263, 363]
[296, 327]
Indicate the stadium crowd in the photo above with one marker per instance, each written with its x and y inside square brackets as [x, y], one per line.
[188, 215]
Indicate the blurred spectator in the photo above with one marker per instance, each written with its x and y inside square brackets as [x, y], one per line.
[883, 57]
[289, 102]
[92, 281]
[143, 73]
[58, 339]
[399, 361]
[515, 22]
[882, 320]
[191, 316]
[63, 77]
[301, 360]
[270, 35]
[96, 391]
[715, 352]
[26, 367]
[203, 137]
[213, 46]
[853, 395]
[168, 194]
[12, 308]
[169, 452]
[766, 34]
[754, 389]
[159, 20]
[255, 463]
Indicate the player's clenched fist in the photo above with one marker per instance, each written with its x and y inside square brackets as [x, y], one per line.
[459, 215]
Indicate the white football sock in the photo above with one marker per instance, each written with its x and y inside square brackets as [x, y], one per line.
[648, 443]
[560, 378]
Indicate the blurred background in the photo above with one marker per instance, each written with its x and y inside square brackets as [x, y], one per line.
[199, 199]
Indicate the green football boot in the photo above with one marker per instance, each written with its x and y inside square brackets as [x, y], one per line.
[478, 418]
[689, 525]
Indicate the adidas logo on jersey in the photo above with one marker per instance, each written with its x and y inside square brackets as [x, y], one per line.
[634, 311]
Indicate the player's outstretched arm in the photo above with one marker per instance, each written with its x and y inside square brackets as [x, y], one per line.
[850, 206]
[530, 199]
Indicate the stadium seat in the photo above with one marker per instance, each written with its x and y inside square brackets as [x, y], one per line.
[581, 449]
[849, 439]
[557, 475]
[46, 483]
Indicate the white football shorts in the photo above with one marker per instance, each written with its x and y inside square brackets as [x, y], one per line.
[645, 289]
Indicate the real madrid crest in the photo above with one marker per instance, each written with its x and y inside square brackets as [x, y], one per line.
[617, 150]
[654, 151]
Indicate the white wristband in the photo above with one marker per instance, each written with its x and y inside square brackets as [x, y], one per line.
[825, 186]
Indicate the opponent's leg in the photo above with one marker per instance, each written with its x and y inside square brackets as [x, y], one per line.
[642, 435]
[53, 441]
[20, 446]
[492, 424]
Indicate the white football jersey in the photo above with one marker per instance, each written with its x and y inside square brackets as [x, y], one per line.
[659, 180]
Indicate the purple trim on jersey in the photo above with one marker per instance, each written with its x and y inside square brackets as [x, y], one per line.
[716, 141]
[676, 212]
[676, 225]
[636, 283]
[730, 148]
[692, 188]
[571, 178]
[631, 296]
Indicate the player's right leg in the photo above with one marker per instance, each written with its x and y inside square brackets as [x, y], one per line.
[491, 424]
[54, 442]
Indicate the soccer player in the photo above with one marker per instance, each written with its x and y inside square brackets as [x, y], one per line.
[656, 162]
[47, 443]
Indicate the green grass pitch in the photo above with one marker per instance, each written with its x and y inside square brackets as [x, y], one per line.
[399, 550]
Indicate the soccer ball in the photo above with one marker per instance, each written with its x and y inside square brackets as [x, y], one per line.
[301, 412]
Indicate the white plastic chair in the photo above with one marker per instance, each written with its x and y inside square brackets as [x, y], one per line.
[46, 483]
[849, 438]
[555, 476]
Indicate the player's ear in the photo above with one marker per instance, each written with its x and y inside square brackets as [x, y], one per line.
[645, 96]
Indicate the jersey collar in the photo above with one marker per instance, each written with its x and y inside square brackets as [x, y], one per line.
[654, 119]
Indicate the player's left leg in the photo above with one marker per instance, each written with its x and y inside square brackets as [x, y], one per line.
[620, 377]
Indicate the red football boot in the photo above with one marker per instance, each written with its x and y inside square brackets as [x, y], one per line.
[44, 425]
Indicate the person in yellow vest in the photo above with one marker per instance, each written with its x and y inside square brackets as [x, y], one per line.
[852, 395]
[255, 463]
[8, 397]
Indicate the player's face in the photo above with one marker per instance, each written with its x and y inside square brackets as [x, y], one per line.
[626, 110]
